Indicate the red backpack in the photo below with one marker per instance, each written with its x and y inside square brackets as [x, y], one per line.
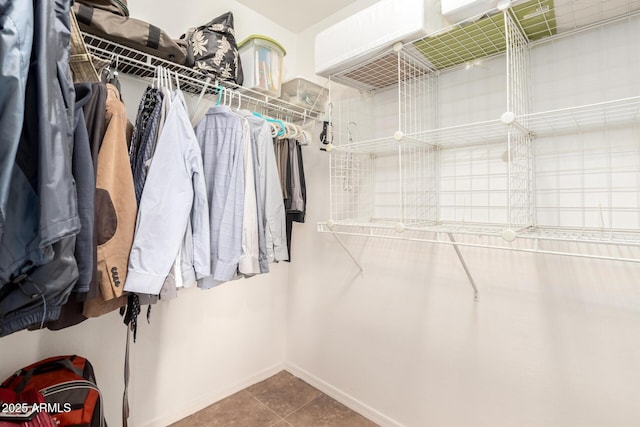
[68, 386]
[23, 410]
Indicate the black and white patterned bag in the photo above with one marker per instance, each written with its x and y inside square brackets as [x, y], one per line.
[214, 48]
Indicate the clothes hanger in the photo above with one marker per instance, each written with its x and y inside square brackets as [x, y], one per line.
[304, 136]
[279, 122]
[156, 81]
[200, 97]
[106, 72]
[292, 131]
[231, 94]
[113, 78]
[161, 83]
[168, 79]
[220, 89]
[274, 129]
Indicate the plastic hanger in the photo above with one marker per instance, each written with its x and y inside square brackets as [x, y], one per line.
[292, 131]
[220, 89]
[304, 136]
[274, 129]
[168, 79]
[283, 128]
[231, 94]
[202, 92]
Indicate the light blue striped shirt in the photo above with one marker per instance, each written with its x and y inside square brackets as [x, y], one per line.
[220, 135]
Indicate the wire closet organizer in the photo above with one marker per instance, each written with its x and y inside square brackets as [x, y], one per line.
[192, 80]
[417, 155]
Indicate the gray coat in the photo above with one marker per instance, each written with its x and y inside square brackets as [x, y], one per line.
[37, 266]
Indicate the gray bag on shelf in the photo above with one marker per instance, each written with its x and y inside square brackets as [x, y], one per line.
[133, 33]
[119, 7]
[214, 49]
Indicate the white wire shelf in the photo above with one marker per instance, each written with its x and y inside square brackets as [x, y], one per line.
[582, 243]
[450, 137]
[382, 146]
[143, 65]
[592, 116]
[561, 182]
[545, 123]
[384, 71]
[466, 134]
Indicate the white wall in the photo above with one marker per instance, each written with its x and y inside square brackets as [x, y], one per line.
[553, 341]
[206, 344]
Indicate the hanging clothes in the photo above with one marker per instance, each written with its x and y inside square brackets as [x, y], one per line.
[271, 213]
[174, 191]
[84, 176]
[256, 125]
[15, 46]
[298, 208]
[249, 264]
[295, 201]
[182, 273]
[291, 172]
[116, 210]
[281, 147]
[92, 100]
[145, 108]
[147, 133]
[40, 224]
[220, 135]
[94, 117]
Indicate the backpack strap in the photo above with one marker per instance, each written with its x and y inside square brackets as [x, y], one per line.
[64, 363]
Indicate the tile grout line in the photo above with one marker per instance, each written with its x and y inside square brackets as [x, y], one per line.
[283, 418]
[263, 404]
[302, 406]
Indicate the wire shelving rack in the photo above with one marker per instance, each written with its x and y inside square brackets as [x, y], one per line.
[562, 181]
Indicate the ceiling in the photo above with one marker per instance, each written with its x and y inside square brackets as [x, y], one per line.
[296, 16]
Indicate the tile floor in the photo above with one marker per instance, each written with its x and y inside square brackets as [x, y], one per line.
[280, 401]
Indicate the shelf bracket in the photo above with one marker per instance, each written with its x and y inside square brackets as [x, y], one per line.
[355, 261]
[464, 266]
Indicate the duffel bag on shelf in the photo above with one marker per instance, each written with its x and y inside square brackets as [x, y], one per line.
[119, 7]
[131, 32]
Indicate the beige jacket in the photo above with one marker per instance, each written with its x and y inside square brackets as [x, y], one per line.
[116, 209]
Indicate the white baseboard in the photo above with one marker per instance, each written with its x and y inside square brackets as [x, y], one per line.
[342, 397]
[213, 397]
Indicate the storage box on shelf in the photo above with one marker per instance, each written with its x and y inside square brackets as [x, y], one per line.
[262, 59]
[305, 94]
[485, 165]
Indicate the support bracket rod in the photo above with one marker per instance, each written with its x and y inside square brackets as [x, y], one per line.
[355, 261]
[464, 266]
